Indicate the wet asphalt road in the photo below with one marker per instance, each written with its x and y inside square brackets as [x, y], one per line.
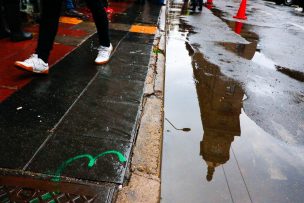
[275, 99]
[239, 87]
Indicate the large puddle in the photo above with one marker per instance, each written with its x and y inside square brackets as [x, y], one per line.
[212, 151]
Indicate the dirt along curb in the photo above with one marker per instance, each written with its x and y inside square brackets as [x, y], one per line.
[144, 182]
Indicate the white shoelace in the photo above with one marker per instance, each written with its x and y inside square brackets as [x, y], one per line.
[30, 60]
[103, 51]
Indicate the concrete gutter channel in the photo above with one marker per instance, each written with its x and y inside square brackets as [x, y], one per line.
[143, 184]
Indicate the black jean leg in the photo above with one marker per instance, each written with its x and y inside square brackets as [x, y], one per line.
[12, 15]
[101, 21]
[48, 27]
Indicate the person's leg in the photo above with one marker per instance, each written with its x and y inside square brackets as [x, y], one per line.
[101, 21]
[71, 11]
[193, 5]
[13, 15]
[200, 5]
[102, 24]
[3, 30]
[13, 18]
[48, 27]
[50, 14]
[69, 5]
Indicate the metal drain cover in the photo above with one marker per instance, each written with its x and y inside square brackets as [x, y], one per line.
[29, 190]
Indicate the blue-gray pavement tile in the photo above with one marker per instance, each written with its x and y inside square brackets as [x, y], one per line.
[133, 53]
[109, 89]
[68, 155]
[115, 70]
[128, 17]
[140, 38]
[149, 13]
[124, 18]
[101, 119]
[139, 13]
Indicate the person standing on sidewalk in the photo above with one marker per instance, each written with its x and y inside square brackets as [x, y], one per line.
[71, 10]
[38, 62]
[11, 16]
[195, 3]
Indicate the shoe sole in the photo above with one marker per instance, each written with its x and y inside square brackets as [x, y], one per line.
[102, 63]
[29, 69]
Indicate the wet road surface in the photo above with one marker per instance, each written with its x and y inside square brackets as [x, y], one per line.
[243, 101]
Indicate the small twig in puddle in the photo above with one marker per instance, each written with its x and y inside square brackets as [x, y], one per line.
[183, 129]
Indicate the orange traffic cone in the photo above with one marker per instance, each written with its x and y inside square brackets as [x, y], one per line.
[209, 2]
[209, 6]
[238, 27]
[242, 11]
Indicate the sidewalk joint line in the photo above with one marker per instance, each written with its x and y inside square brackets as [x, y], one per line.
[61, 119]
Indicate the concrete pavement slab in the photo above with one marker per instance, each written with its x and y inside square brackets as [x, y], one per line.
[62, 147]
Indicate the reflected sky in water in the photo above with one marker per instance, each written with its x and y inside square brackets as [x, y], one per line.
[225, 157]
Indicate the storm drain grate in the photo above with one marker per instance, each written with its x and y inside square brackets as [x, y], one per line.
[28, 190]
[28, 195]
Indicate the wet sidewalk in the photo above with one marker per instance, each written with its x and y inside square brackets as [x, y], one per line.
[68, 136]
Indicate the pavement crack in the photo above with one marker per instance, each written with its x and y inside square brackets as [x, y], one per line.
[146, 175]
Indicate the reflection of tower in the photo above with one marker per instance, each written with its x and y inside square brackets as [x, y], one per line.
[246, 51]
[220, 101]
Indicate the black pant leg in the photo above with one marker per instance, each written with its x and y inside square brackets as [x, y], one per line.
[101, 21]
[12, 15]
[2, 20]
[48, 27]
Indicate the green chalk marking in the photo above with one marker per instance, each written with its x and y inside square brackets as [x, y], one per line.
[92, 161]
[46, 196]
[36, 200]
[56, 193]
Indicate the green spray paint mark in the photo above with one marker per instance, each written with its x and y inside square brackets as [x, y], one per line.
[36, 200]
[92, 161]
[46, 196]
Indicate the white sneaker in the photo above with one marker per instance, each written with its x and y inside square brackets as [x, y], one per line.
[34, 64]
[104, 54]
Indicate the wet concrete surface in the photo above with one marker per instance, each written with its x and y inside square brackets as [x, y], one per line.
[246, 117]
[80, 121]
[61, 147]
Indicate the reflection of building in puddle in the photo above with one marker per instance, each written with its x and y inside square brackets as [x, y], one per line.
[220, 101]
[246, 51]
